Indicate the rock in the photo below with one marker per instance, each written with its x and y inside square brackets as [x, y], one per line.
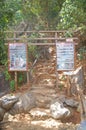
[39, 113]
[26, 102]
[62, 98]
[71, 102]
[58, 111]
[76, 79]
[76, 76]
[8, 101]
[2, 112]
[43, 101]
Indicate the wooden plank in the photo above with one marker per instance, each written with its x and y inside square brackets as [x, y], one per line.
[18, 39]
[43, 31]
[41, 44]
[44, 38]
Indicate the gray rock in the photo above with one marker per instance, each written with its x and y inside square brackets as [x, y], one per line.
[8, 101]
[58, 111]
[71, 102]
[26, 102]
[2, 112]
[62, 98]
[39, 113]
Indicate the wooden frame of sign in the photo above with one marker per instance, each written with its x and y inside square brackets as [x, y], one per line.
[17, 57]
[65, 59]
[65, 53]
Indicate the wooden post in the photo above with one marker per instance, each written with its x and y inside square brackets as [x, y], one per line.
[68, 86]
[82, 102]
[16, 85]
[16, 79]
[57, 77]
[27, 57]
[27, 77]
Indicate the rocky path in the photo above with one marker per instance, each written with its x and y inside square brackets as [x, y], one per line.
[44, 78]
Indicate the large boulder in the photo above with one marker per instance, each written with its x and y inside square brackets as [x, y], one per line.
[58, 111]
[2, 112]
[6, 102]
[76, 79]
[26, 102]
[71, 102]
[17, 103]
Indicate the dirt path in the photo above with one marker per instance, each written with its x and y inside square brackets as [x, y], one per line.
[24, 122]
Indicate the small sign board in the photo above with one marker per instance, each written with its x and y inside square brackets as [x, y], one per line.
[65, 56]
[17, 57]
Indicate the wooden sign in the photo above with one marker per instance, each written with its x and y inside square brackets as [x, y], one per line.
[65, 56]
[17, 56]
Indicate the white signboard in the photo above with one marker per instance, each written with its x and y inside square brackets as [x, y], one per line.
[65, 56]
[17, 53]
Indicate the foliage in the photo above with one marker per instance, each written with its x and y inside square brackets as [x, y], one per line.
[49, 12]
[5, 16]
[82, 53]
[36, 13]
[73, 14]
[7, 75]
[12, 85]
[9, 78]
[32, 53]
[21, 78]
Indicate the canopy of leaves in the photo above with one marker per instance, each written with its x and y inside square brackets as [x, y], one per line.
[73, 14]
[37, 14]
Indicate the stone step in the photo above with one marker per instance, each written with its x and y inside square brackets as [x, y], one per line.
[45, 76]
[43, 86]
[43, 91]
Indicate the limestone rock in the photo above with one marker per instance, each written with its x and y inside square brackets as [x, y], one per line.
[39, 113]
[71, 102]
[58, 111]
[26, 102]
[8, 101]
[2, 112]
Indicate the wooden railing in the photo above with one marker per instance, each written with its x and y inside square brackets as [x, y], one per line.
[37, 37]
